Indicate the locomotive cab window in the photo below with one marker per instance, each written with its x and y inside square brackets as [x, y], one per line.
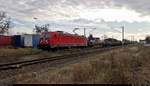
[55, 36]
[60, 33]
[45, 35]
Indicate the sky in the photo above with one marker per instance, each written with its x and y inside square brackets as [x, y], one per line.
[107, 16]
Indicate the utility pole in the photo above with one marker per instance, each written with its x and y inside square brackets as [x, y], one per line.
[84, 32]
[122, 35]
[131, 38]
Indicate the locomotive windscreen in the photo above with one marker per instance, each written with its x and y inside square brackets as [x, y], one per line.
[45, 35]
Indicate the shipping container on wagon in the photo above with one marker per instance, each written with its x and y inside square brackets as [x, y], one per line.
[31, 40]
[18, 40]
[28, 40]
[6, 40]
[35, 40]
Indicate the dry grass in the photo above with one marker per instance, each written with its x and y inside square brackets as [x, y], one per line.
[44, 54]
[126, 65]
[18, 51]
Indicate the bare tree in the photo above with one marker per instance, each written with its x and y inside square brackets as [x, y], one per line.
[40, 29]
[4, 23]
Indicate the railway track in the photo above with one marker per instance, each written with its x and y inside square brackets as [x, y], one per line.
[23, 69]
[20, 64]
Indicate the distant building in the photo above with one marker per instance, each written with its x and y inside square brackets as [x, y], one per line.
[142, 41]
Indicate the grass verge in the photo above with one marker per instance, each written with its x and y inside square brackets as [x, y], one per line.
[122, 66]
[18, 51]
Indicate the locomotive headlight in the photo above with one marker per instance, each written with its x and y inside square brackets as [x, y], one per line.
[46, 41]
[41, 41]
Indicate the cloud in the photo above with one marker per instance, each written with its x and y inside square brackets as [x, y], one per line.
[67, 14]
[20, 30]
[56, 10]
[141, 6]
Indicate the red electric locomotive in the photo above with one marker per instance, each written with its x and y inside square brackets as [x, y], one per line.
[61, 39]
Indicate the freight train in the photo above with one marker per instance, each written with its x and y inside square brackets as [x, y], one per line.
[59, 39]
